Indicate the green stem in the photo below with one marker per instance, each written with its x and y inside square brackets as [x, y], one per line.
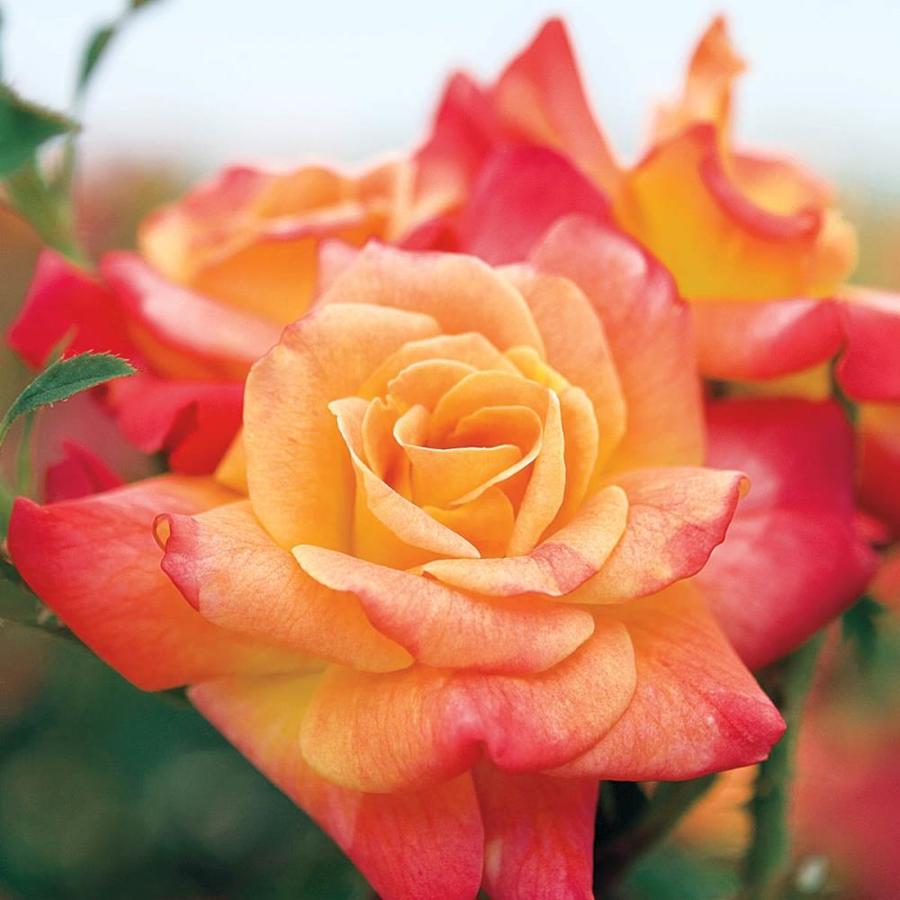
[768, 860]
[665, 808]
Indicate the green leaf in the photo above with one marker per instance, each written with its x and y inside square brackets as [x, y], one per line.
[24, 127]
[93, 52]
[63, 379]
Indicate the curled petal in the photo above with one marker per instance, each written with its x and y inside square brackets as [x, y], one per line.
[447, 628]
[676, 517]
[73, 555]
[421, 726]
[692, 688]
[538, 834]
[406, 521]
[298, 470]
[797, 525]
[555, 567]
[685, 204]
[237, 577]
[414, 845]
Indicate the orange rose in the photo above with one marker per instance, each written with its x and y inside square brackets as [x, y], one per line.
[219, 273]
[441, 590]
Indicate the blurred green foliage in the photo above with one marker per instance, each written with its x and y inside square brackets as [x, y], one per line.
[111, 793]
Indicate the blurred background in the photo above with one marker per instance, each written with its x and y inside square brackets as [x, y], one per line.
[106, 793]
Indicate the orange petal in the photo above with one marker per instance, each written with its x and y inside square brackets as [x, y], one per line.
[446, 628]
[300, 476]
[460, 292]
[556, 567]
[692, 688]
[538, 835]
[232, 470]
[540, 97]
[410, 846]
[676, 517]
[649, 334]
[485, 522]
[427, 381]
[706, 97]
[576, 346]
[546, 489]
[73, 555]
[409, 523]
[469, 348]
[687, 208]
[417, 727]
[230, 570]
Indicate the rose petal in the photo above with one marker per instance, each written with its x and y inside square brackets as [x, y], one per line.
[300, 476]
[676, 517]
[410, 846]
[555, 567]
[649, 334]
[870, 366]
[237, 577]
[73, 555]
[692, 688]
[78, 474]
[538, 834]
[421, 726]
[796, 525]
[446, 628]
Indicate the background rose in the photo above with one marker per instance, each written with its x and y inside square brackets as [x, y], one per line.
[473, 497]
[218, 274]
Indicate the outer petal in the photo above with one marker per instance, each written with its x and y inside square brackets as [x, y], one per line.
[299, 473]
[676, 517]
[563, 562]
[460, 292]
[236, 576]
[649, 334]
[751, 341]
[519, 193]
[792, 559]
[410, 846]
[73, 555]
[420, 726]
[538, 835]
[182, 333]
[692, 689]
[540, 97]
[446, 628]
[64, 302]
[78, 474]
[194, 421]
[870, 366]
[686, 206]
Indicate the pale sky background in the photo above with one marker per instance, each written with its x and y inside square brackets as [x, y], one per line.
[215, 81]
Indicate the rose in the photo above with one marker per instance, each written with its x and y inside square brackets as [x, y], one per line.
[740, 233]
[447, 589]
[219, 273]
